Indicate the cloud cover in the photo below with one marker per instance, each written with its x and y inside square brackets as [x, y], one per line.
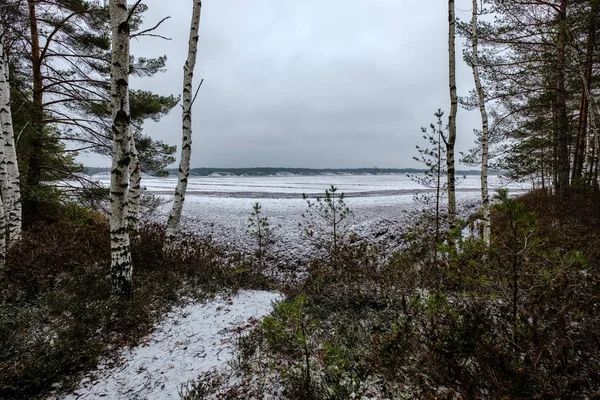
[313, 83]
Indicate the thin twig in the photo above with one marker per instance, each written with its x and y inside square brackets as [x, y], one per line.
[21, 132]
[145, 31]
[197, 90]
[137, 3]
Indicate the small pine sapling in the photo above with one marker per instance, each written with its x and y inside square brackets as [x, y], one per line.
[263, 233]
[521, 226]
[326, 220]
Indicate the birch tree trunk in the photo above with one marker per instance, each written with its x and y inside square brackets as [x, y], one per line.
[9, 168]
[453, 111]
[135, 188]
[186, 142]
[2, 236]
[582, 125]
[121, 265]
[485, 199]
[5, 123]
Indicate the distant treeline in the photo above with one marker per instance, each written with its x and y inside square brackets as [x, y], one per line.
[95, 170]
[268, 171]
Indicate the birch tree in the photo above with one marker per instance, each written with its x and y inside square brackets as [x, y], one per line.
[5, 123]
[121, 264]
[9, 168]
[485, 200]
[186, 142]
[453, 110]
[135, 188]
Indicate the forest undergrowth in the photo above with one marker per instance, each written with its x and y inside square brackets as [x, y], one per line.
[57, 314]
[447, 320]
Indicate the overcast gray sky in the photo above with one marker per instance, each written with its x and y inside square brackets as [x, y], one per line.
[312, 83]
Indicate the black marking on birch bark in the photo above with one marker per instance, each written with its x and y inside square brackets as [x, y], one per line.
[122, 84]
[124, 161]
[124, 28]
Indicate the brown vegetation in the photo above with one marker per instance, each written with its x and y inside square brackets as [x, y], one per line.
[57, 315]
[518, 320]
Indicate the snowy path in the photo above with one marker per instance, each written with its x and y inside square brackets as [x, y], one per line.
[189, 340]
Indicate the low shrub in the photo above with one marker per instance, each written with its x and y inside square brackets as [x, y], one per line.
[449, 320]
[57, 315]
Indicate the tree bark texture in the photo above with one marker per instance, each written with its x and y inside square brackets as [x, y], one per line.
[485, 199]
[562, 121]
[121, 265]
[584, 106]
[453, 111]
[135, 190]
[186, 142]
[9, 168]
[34, 162]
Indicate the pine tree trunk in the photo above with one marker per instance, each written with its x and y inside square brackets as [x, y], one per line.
[485, 199]
[9, 168]
[582, 125]
[121, 265]
[562, 121]
[135, 189]
[186, 142]
[34, 161]
[453, 111]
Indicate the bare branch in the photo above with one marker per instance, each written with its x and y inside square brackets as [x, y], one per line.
[197, 90]
[146, 31]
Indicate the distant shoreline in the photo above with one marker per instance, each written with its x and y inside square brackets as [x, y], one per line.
[285, 171]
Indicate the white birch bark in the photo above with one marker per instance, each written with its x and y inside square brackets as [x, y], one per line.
[2, 236]
[186, 142]
[135, 188]
[121, 265]
[5, 124]
[453, 110]
[9, 168]
[485, 199]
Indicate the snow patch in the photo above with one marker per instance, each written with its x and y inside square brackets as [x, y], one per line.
[190, 340]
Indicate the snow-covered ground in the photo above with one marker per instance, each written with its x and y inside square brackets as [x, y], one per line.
[188, 341]
[199, 337]
[221, 206]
